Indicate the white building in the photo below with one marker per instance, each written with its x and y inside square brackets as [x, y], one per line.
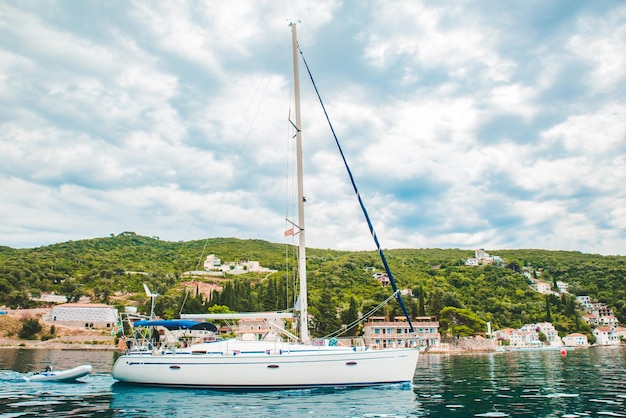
[600, 309]
[256, 329]
[562, 286]
[515, 337]
[52, 298]
[383, 279]
[542, 287]
[212, 262]
[481, 254]
[606, 336]
[552, 336]
[584, 301]
[609, 320]
[406, 292]
[471, 262]
[88, 315]
[575, 340]
[378, 332]
[482, 257]
[528, 335]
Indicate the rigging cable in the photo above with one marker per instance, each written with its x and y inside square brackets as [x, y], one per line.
[359, 320]
[358, 195]
[258, 94]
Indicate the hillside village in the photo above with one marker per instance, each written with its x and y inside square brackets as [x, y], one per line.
[606, 328]
[378, 332]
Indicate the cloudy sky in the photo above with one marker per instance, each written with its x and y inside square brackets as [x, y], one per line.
[491, 124]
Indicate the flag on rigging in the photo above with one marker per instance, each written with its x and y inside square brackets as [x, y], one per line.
[290, 232]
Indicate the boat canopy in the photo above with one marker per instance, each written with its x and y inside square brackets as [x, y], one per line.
[177, 324]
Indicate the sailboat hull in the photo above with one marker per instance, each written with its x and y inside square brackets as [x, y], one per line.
[302, 368]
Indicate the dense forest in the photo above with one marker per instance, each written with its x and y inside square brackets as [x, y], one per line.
[341, 283]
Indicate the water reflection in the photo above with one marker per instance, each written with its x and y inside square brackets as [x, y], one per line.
[24, 360]
[536, 383]
[389, 401]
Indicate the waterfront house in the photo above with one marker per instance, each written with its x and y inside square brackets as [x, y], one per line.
[533, 330]
[528, 335]
[256, 329]
[606, 336]
[575, 340]
[379, 332]
[552, 336]
[87, 315]
[515, 337]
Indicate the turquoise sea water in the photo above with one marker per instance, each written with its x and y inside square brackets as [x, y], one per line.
[585, 383]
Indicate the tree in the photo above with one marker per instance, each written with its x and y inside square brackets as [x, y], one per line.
[435, 303]
[460, 322]
[548, 313]
[514, 266]
[542, 337]
[192, 304]
[30, 327]
[570, 306]
[326, 319]
[269, 302]
[368, 305]
[350, 315]
[219, 309]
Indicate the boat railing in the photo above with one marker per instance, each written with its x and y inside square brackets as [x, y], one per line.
[154, 340]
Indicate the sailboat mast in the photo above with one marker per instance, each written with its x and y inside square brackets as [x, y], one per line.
[304, 329]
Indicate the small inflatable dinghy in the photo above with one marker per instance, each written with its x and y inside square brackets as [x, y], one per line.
[61, 375]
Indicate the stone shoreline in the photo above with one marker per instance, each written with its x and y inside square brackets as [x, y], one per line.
[63, 343]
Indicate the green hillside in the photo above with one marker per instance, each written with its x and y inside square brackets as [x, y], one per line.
[341, 283]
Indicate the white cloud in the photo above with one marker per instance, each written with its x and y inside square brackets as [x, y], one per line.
[417, 34]
[464, 126]
[601, 41]
[514, 99]
[597, 133]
